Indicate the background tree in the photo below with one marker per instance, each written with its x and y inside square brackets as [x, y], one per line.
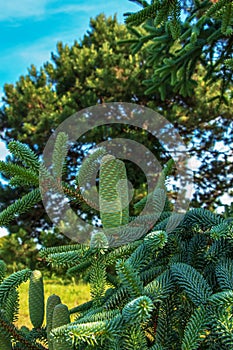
[18, 251]
[92, 71]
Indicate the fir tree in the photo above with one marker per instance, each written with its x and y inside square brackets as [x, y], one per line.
[170, 289]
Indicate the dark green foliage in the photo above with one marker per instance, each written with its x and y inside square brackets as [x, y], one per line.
[188, 45]
[178, 46]
[129, 278]
[5, 342]
[20, 175]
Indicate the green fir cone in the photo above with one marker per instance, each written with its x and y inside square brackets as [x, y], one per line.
[114, 208]
[52, 301]
[110, 201]
[61, 317]
[123, 192]
[36, 299]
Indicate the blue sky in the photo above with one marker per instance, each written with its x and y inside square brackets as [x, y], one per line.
[30, 29]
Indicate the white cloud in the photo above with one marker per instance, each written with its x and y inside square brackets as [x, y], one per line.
[12, 9]
[3, 232]
[40, 52]
[1, 96]
[3, 151]
[194, 163]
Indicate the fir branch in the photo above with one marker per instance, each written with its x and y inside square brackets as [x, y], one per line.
[222, 299]
[138, 310]
[97, 280]
[224, 274]
[192, 282]
[156, 347]
[59, 155]
[202, 217]
[129, 278]
[222, 327]
[195, 329]
[11, 306]
[91, 333]
[159, 194]
[141, 16]
[119, 295]
[69, 258]
[19, 207]
[99, 242]
[81, 267]
[90, 167]
[121, 252]
[220, 231]
[81, 249]
[10, 283]
[25, 154]
[83, 307]
[17, 336]
[218, 5]
[152, 271]
[142, 255]
[218, 250]
[134, 339]
[19, 174]
[140, 2]
[97, 315]
[161, 287]
[165, 322]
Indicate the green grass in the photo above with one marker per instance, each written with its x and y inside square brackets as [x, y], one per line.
[71, 294]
